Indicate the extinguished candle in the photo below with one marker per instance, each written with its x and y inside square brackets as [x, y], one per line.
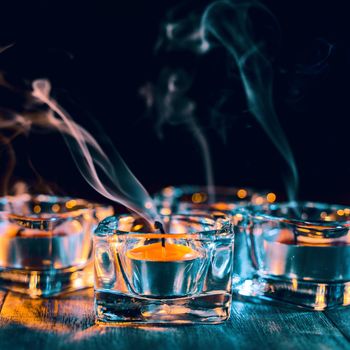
[290, 255]
[164, 269]
[25, 248]
[162, 253]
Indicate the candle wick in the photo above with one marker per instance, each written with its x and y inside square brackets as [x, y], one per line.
[295, 233]
[159, 226]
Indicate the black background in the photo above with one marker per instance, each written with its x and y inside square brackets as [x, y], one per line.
[98, 55]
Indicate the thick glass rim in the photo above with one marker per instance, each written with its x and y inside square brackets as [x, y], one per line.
[74, 208]
[258, 213]
[107, 227]
[178, 191]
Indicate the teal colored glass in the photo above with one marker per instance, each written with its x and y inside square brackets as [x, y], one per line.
[297, 254]
[46, 243]
[193, 289]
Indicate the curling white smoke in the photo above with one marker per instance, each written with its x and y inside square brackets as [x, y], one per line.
[173, 107]
[118, 184]
[229, 23]
[111, 178]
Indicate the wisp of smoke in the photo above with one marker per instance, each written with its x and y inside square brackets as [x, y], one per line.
[172, 106]
[228, 23]
[118, 184]
[110, 177]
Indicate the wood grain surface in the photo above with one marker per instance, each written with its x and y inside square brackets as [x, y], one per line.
[67, 322]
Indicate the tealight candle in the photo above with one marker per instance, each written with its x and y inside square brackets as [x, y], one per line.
[296, 253]
[182, 274]
[46, 243]
[164, 269]
[307, 258]
[26, 248]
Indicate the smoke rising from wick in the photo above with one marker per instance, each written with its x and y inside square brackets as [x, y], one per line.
[172, 106]
[118, 183]
[110, 177]
[229, 24]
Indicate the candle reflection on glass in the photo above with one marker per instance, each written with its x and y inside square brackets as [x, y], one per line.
[299, 253]
[164, 270]
[159, 277]
[46, 243]
[224, 199]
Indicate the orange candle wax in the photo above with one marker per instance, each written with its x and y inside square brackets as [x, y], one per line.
[168, 252]
[163, 270]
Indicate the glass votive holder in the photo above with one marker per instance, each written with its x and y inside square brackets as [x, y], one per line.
[181, 276]
[296, 253]
[203, 198]
[46, 243]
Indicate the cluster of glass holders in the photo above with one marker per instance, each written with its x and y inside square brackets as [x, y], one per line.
[46, 243]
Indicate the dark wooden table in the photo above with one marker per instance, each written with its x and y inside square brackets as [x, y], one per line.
[67, 322]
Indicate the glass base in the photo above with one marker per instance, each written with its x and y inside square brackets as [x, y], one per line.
[112, 308]
[46, 283]
[305, 294]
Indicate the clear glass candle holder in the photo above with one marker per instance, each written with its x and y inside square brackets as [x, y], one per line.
[202, 198]
[46, 243]
[294, 253]
[181, 276]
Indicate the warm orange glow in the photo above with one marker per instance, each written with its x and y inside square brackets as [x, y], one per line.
[346, 300]
[56, 208]
[160, 235]
[102, 212]
[27, 313]
[271, 197]
[320, 301]
[259, 200]
[165, 211]
[156, 252]
[347, 211]
[199, 197]
[221, 206]
[168, 191]
[148, 205]
[37, 209]
[242, 193]
[137, 227]
[237, 218]
[294, 284]
[340, 212]
[71, 204]
[323, 215]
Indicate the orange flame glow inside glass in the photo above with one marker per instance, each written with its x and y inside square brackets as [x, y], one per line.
[156, 252]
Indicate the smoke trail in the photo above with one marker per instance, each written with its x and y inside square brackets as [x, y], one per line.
[113, 180]
[229, 22]
[173, 107]
[110, 177]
